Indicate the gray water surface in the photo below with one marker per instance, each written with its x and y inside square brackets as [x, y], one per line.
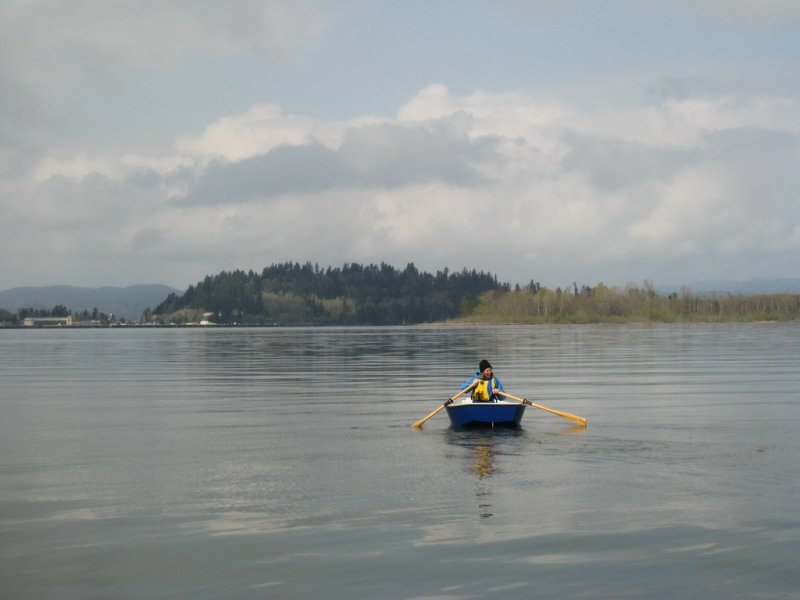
[279, 463]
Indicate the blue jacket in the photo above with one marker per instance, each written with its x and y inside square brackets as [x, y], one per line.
[492, 385]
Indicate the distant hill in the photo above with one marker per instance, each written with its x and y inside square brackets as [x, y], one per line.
[126, 302]
[749, 288]
[354, 294]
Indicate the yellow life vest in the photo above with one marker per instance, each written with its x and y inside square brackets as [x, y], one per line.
[481, 391]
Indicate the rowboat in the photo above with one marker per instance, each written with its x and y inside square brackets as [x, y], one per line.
[466, 413]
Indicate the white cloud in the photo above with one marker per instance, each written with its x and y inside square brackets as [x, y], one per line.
[602, 172]
[63, 59]
[49, 35]
[261, 129]
[522, 184]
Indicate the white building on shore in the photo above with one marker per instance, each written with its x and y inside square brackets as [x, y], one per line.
[48, 322]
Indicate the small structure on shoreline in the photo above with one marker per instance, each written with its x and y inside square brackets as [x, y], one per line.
[48, 321]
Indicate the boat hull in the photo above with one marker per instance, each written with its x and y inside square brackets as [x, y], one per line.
[476, 414]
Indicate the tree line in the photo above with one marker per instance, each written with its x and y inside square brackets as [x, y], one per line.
[294, 294]
[633, 303]
[354, 294]
[59, 310]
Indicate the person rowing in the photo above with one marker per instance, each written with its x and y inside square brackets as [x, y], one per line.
[485, 386]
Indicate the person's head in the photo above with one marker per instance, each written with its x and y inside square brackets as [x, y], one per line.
[485, 369]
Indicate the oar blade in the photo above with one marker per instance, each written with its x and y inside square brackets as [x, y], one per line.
[562, 414]
[425, 419]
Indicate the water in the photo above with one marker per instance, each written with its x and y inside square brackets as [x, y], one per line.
[279, 463]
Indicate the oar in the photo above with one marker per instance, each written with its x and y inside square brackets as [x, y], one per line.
[566, 415]
[445, 403]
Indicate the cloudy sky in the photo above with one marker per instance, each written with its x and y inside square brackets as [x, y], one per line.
[555, 140]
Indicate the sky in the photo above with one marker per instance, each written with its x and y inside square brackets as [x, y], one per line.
[558, 141]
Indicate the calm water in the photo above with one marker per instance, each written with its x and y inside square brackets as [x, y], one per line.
[279, 463]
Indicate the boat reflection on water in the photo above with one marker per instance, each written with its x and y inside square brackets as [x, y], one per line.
[482, 451]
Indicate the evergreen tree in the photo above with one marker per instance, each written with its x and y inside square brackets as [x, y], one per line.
[291, 293]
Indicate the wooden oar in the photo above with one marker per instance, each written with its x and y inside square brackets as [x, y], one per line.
[446, 402]
[565, 415]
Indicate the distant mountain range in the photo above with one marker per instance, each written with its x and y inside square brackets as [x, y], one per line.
[747, 288]
[126, 302]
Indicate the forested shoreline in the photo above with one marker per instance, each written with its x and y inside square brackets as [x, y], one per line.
[295, 294]
[291, 294]
[632, 304]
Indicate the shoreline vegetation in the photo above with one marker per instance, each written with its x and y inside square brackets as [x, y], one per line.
[290, 294]
[294, 294]
[632, 304]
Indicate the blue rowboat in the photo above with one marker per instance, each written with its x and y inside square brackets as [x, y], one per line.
[467, 413]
